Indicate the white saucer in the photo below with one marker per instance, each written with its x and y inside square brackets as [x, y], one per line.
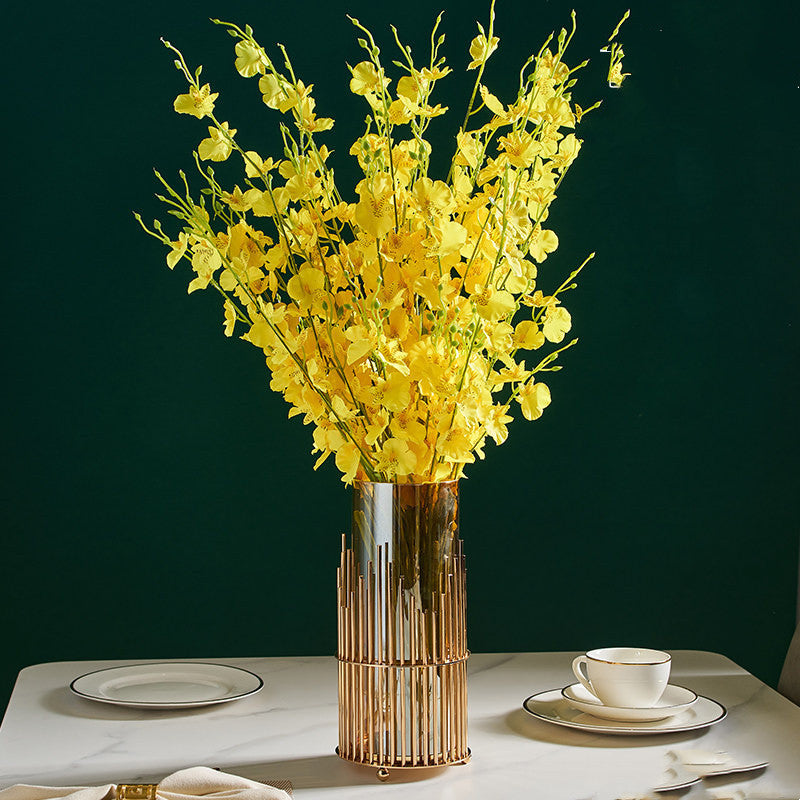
[169, 684]
[674, 700]
[551, 707]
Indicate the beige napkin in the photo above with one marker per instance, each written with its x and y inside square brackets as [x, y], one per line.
[188, 784]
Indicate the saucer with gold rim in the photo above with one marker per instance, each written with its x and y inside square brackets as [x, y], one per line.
[675, 700]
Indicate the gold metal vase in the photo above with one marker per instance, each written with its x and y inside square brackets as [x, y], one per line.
[402, 646]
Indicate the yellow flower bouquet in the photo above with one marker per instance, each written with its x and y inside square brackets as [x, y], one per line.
[405, 323]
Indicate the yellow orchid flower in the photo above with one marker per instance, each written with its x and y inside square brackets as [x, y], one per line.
[559, 113]
[394, 393]
[557, 323]
[542, 242]
[521, 148]
[481, 48]
[452, 237]
[496, 423]
[255, 166]
[236, 199]
[379, 421]
[347, 460]
[276, 92]
[218, 146]
[268, 204]
[206, 260]
[494, 105]
[568, 149]
[396, 459]
[327, 440]
[513, 373]
[432, 199]
[494, 304]
[230, 318]
[527, 335]
[178, 250]
[341, 410]
[363, 341]
[400, 112]
[366, 79]
[307, 289]
[375, 210]
[406, 425]
[197, 102]
[500, 338]
[533, 398]
[455, 446]
[250, 59]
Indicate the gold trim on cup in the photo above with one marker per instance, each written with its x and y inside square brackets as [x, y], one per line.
[629, 663]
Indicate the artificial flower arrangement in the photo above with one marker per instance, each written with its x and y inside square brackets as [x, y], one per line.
[406, 324]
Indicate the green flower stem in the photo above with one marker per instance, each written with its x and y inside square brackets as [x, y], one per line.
[480, 71]
[387, 126]
[564, 286]
[543, 365]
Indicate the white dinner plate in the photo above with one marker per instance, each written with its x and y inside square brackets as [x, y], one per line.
[167, 685]
[551, 706]
[674, 701]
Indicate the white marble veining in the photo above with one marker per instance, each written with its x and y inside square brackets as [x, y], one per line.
[289, 730]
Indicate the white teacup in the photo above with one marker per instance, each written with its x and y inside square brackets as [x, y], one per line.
[624, 677]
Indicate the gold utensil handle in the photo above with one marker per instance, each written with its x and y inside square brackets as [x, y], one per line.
[136, 791]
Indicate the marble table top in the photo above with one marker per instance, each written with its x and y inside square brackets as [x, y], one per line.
[289, 731]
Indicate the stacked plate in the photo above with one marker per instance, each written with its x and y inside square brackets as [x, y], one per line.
[679, 709]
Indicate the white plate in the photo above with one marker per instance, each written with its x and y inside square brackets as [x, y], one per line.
[682, 777]
[550, 706]
[674, 700]
[167, 685]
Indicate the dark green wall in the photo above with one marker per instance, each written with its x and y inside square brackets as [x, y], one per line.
[158, 503]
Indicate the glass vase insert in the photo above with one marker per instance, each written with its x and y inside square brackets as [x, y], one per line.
[402, 646]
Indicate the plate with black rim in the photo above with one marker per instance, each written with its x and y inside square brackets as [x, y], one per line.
[551, 706]
[167, 684]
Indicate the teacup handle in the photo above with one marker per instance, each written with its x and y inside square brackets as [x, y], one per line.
[581, 675]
